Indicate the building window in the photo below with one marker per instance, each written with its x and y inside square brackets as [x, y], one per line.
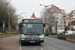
[57, 14]
[61, 21]
[53, 17]
[57, 17]
[51, 14]
[57, 21]
[64, 22]
[52, 10]
[61, 18]
[74, 14]
[50, 17]
[58, 25]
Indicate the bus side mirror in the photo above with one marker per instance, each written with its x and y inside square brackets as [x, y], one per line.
[20, 25]
[44, 25]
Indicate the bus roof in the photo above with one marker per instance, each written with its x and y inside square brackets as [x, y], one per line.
[32, 21]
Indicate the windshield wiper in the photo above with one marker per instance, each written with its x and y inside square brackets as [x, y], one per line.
[32, 33]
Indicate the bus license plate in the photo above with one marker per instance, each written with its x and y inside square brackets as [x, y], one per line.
[32, 41]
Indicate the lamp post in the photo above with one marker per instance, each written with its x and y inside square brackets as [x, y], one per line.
[9, 26]
[64, 23]
[24, 13]
[3, 26]
[56, 26]
[45, 12]
[20, 16]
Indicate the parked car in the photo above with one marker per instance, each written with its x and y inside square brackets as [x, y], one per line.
[60, 32]
[69, 32]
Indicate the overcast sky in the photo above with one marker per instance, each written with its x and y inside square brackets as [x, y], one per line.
[30, 6]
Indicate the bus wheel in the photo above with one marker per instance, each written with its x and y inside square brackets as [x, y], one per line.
[39, 43]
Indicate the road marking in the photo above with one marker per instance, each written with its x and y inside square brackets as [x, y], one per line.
[52, 48]
[46, 47]
[41, 49]
[20, 48]
[17, 46]
[34, 49]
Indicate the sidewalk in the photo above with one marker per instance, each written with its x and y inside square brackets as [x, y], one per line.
[9, 43]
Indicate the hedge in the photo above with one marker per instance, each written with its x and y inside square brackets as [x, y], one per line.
[49, 33]
[63, 37]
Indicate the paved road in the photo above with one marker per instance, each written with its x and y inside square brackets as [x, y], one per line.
[50, 44]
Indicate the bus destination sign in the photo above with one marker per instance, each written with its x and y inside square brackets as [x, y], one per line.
[32, 21]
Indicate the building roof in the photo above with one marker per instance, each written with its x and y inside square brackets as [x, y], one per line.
[33, 16]
[68, 18]
[72, 11]
[69, 15]
[45, 21]
[56, 9]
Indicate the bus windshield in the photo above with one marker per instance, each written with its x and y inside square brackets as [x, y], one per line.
[32, 29]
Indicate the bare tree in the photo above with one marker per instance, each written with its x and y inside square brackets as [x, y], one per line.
[48, 15]
[5, 9]
[13, 16]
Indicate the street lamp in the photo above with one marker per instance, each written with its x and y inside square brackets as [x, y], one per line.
[9, 26]
[24, 13]
[3, 26]
[56, 26]
[20, 17]
[45, 12]
[64, 23]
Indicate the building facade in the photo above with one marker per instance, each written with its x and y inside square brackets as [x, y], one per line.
[72, 20]
[55, 17]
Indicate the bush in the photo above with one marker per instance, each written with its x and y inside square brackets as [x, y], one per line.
[52, 33]
[63, 37]
[49, 33]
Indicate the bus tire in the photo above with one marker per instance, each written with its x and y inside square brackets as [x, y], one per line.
[39, 43]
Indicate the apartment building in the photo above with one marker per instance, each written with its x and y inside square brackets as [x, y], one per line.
[56, 17]
[72, 20]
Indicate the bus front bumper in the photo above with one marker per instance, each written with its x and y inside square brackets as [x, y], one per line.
[32, 41]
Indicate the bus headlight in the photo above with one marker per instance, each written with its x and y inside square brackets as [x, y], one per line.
[41, 36]
[22, 36]
[22, 39]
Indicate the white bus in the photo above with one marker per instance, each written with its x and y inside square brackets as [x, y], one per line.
[32, 31]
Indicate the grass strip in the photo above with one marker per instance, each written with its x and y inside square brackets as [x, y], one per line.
[2, 35]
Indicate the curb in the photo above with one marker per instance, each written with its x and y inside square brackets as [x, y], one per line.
[20, 48]
[8, 36]
[70, 40]
[3, 36]
[18, 44]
